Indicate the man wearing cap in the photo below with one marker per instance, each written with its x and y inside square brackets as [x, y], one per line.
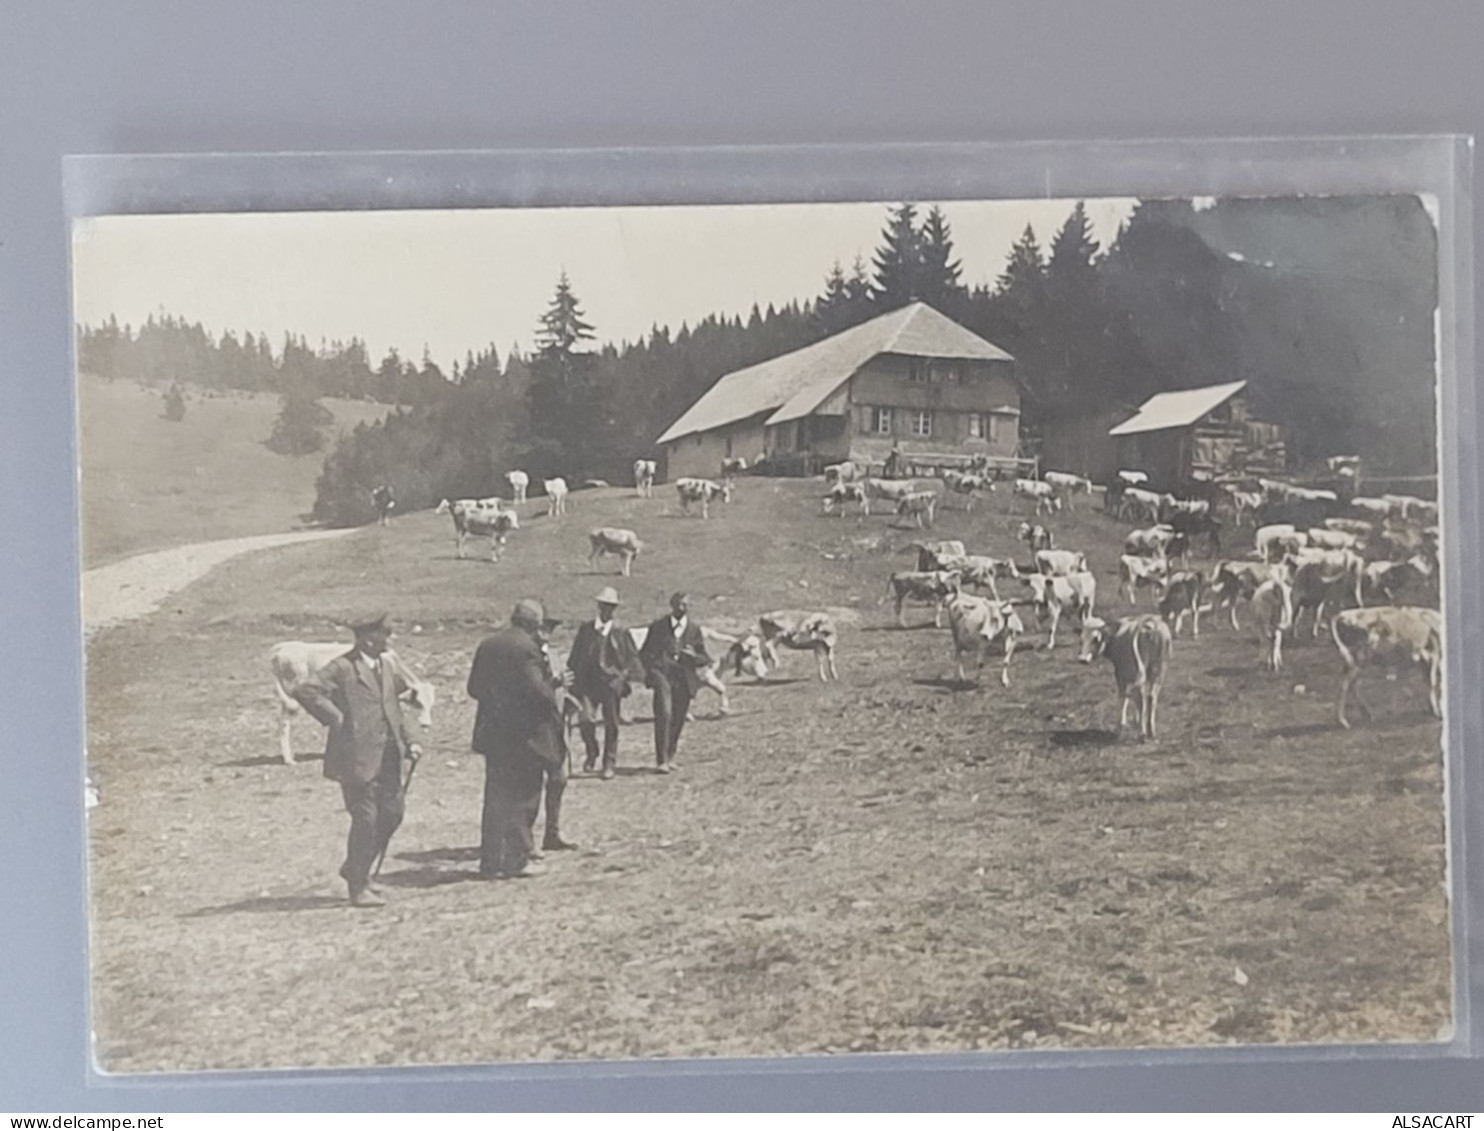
[518, 730]
[673, 655]
[355, 696]
[603, 661]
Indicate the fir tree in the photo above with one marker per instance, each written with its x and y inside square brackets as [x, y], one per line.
[940, 286]
[175, 405]
[898, 260]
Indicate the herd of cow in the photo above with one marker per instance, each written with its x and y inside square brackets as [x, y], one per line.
[1347, 562]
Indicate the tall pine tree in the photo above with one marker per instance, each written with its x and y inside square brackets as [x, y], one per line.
[566, 405]
[940, 286]
[898, 260]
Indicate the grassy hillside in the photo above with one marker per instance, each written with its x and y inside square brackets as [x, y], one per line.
[148, 483]
[888, 863]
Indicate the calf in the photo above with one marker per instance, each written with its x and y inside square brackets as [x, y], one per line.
[644, 473]
[1036, 536]
[1135, 573]
[920, 505]
[1272, 609]
[519, 482]
[841, 493]
[801, 632]
[1183, 594]
[1059, 563]
[1043, 495]
[702, 491]
[1053, 596]
[1326, 539]
[935, 586]
[623, 544]
[556, 496]
[1139, 648]
[294, 662]
[1389, 637]
[976, 624]
[933, 555]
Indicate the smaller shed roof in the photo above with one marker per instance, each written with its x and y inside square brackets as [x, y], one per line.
[1179, 409]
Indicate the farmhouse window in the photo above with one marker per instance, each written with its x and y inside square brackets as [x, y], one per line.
[917, 372]
[922, 424]
[979, 426]
[881, 421]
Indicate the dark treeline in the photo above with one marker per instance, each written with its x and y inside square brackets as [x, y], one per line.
[1325, 306]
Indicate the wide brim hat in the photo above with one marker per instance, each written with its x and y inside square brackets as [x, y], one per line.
[607, 596]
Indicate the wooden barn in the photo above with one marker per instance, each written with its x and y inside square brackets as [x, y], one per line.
[1192, 434]
[912, 378]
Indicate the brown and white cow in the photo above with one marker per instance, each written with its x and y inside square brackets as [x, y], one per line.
[801, 631]
[1051, 597]
[935, 586]
[1034, 535]
[1059, 563]
[841, 493]
[1043, 495]
[1389, 637]
[977, 623]
[475, 518]
[1184, 595]
[644, 473]
[1135, 573]
[622, 544]
[1139, 649]
[920, 506]
[703, 492]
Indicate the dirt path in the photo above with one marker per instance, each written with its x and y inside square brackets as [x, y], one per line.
[126, 590]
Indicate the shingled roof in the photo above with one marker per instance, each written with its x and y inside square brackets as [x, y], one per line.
[1178, 409]
[795, 384]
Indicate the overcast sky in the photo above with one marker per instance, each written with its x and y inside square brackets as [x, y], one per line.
[458, 280]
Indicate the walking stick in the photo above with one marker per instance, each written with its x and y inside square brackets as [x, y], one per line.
[407, 784]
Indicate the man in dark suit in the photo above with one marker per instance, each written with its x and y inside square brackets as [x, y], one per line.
[603, 661]
[518, 730]
[355, 695]
[674, 653]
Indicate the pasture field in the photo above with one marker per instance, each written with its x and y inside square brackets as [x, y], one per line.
[149, 483]
[889, 863]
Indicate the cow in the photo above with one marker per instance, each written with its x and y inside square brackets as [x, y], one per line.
[1245, 504]
[1322, 538]
[1378, 507]
[1059, 563]
[1053, 596]
[976, 624]
[844, 472]
[473, 518]
[1272, 609]
[841, 493]
[1043, 495]
[968, 486]
[932, 555]
[893, 490]
[980, 571]
[802, 632]
[623, 544]
[1325, 578]
[1183, 594]
[740, 653]
[1359, 527]
[702, 491]
[1139, 505]
[556, 496]
[1389, 636]
[1386, 579]
[1135, 573]
[733, 466]
[1139, 649]
[1234, 580]
[385, 502]
[1068, 485]
[1151, 543]
[1170, 506]
[923, 585]
[1036, 536]
[294, 662]
[644, 473]
[920, 505]
[519, 483]
[1403, 506]
[1277, 539]
[1132, 478]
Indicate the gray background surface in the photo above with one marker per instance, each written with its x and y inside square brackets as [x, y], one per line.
[280, 76]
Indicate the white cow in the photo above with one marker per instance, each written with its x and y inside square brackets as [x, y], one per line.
[644, 473]
[1273, 541]
[844, 472]
[1378, 507]
[293, 662]
[976, 624]
[1272, 609]
[519, 482]
[933, 555]
[801, 631]
[1059, 563]
[919, 505]
[1053, 596]
[622, 544]
[1043, 495]
[893, 490]
[1390, 637]
[1325, 579]
[841, 493]
[1132, 478]
[556, 496]
[1139, 648]
[1135, 573]
[1139, 505]
[703, 491]
[1068, 485]
[1323, 538]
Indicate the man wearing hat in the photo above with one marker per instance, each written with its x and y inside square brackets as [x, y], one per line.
[603, 661]
[673, 655]
[355, 696]
[518, 730]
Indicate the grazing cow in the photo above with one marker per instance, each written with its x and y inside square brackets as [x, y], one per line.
[968, 486]
[801, 632]
[893, 490]
[1036, 536]
[1135, 573]
[1378, 507]
[556, 496]
[1274, 541]
[702, 491]
[920, 505]
[934, 586]
[844, 472]
[733, 465]
[933, 555]
[644, 473]
[1389, 637]
[1043, 495]
[1138, 505]
[1068, 485]
[841, 493]
[474, 518]
[1325, 579]
[1151, 543]
[294, 662]
[1053, 596]
[384, 502]
[1272, 608]
[1059, 563]
[1183, 594]
[519, 483]
[1233, 581]
[623, 544]
[1139, 648]
[1386, 579]
[1322, 538]
[977, 623]
[979, 571]
[1359, 527]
